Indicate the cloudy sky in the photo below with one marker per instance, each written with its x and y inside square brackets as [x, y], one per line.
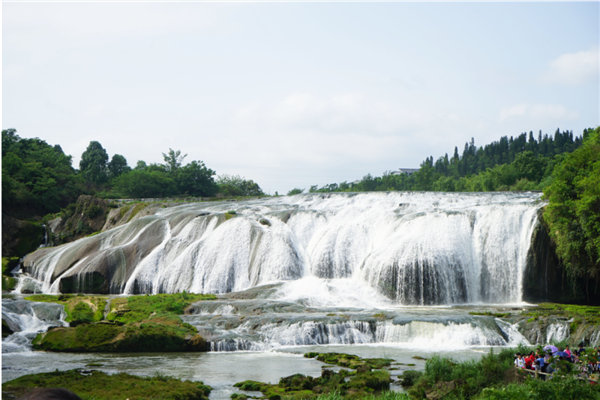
[296, 94]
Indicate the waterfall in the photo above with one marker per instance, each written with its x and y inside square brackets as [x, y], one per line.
[406, 248]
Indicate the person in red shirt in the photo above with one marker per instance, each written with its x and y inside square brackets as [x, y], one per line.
[529, 360]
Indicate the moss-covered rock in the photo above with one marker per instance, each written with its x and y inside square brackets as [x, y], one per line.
[134, 324]
[357, 384]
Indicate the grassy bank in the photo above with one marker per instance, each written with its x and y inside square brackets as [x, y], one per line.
[96, 385]
[492, 377]
[134, 323]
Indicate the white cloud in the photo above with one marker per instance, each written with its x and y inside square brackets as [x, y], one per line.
[554, 112]
[574, 68]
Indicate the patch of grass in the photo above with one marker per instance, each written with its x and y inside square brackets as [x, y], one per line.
[583, 314]
[138, 308]
[79, 308]
[101, 386]
[136, 209]
[491, 314]
[350, 360]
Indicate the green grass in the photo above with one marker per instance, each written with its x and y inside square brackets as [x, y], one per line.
[79, 308]
[492, 377]
[101, 386]
[491, 314]
[139, 308]
[350, 360]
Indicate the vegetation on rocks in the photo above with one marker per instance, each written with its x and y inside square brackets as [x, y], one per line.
[573, 213]
[98, 385]
[359, 383]
[135, 323]
[8, 282]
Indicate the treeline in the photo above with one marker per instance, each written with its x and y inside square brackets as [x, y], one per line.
[38, 178]
[521, 163]
[573, 213]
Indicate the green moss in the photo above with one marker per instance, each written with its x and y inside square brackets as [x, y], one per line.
[136, 209]
[138, 308]
[136, 323]
[8, 264]
[101, 386]
[490, 314]
[585, 314]
[79, 308]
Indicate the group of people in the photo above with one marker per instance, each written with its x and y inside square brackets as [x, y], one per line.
[550, 359]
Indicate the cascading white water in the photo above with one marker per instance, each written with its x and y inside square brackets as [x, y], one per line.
[26, 319]
[425, 333]
[413, 248]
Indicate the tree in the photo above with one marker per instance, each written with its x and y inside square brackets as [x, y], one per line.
[234, 185]
[173, 160]
[36, 178]
[144, 183]
[573, 211]
[93, 163]
[117, 166]
[295, 191]
[196, 179]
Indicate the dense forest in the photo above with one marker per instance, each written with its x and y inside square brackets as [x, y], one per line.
[38, 178]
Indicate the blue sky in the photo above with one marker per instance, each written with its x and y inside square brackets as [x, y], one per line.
[295, 94]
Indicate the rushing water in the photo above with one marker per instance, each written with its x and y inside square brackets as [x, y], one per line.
[381, 274]
[412, 248]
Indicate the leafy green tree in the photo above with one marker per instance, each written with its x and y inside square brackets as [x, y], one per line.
[573, 211]
[295, 191]
[144, 183]
[234, 185]
[196, 179]
[93, 165]
[36, 178]
[117, 166]
[173, 160]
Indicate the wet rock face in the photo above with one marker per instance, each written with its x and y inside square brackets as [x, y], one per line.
[545, 277]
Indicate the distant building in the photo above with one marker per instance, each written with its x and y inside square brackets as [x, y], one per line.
[405, 171]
